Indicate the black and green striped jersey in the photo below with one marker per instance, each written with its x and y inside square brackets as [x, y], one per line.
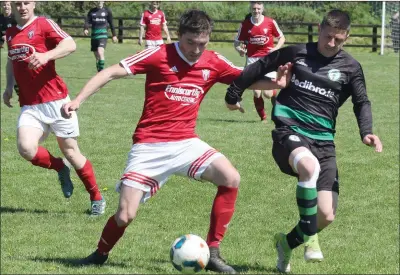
[318, 87]
[99, 18]
[5, 23]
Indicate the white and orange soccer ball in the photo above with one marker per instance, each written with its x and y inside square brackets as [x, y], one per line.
[189, 253]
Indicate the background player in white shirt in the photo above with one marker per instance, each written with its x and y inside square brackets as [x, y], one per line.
[178, 76]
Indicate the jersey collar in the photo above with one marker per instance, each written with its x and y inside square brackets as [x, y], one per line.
[259, 23]
[27, 23]
[182, 56]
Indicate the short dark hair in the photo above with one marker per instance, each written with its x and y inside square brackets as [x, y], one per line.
[256, 2]
[195, 21]
[337, 19]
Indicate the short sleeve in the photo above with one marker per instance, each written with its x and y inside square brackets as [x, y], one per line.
[52, 32]
[142, 20]
[241, 34]
[163, 19]
[276, 31]
[142, 62]
[228, 72]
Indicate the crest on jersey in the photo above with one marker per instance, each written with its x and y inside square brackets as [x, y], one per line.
[9, 38]
[206, 74]
[103, 14]
[9, 26]
[334, 74]
[30, 34]
[265, 31]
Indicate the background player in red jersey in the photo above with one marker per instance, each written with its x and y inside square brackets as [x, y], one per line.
[178, 76]
[153, 20]
[33, 46]
[257, 33]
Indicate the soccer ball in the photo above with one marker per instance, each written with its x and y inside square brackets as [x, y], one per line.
[189, 253]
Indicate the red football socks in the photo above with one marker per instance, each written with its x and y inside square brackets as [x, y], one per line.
[86, 174]
[259, 104]
[44, 159]
[221, 214]
[110, 236]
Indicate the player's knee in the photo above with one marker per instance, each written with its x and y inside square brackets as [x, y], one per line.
[327, 218]
[26, 151]
[233, 180]
[307, 166]
[257, 93]
[125, 217]
[267, 93]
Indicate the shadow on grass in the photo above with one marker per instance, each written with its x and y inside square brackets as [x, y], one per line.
[71, 262]
[229, 120]
[254, 268]
[22, 210]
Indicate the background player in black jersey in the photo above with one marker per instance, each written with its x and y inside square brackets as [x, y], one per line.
[6, 20]
[323, 77]
[98, 17]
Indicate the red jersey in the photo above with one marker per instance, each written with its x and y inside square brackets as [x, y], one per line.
[258, 37]
[153, 23]
[41, 85]
[174, 90]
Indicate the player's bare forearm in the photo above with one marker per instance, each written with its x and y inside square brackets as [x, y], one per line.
[10, 75]
[141, 31]
[280, 43]
[64, 48]
[165, 28]
[99, 80]
[265, 84]
[237, 45]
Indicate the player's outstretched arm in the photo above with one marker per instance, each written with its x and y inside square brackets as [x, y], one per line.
[64, 48]
[92, 86]
[283, 76]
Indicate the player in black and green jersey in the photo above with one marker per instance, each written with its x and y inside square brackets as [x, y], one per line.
[323, 77]
[6, 21]
[98, 17]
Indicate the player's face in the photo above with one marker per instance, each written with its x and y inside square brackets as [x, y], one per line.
[193, 45]
[154, 5]
[100, 4]
[331, 40]
[256, 10]
[6, 6]
[24, 11]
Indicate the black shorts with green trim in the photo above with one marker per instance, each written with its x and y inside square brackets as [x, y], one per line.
[285, 140]
[96, 43]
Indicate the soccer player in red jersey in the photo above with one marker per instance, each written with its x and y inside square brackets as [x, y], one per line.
[257, 33]
[153, 20]
[178, 76]
[33, 46]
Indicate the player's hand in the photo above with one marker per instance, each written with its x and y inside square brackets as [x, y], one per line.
[7, 97]
[374, 141]
[283, 75]
[140, 42]
[235, 107]
[114, 39]
[242, 52]
[37, 60]
[86, 32]
[168, 40]
[68, 108]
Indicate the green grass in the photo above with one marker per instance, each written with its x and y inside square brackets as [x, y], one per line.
[41, 231]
